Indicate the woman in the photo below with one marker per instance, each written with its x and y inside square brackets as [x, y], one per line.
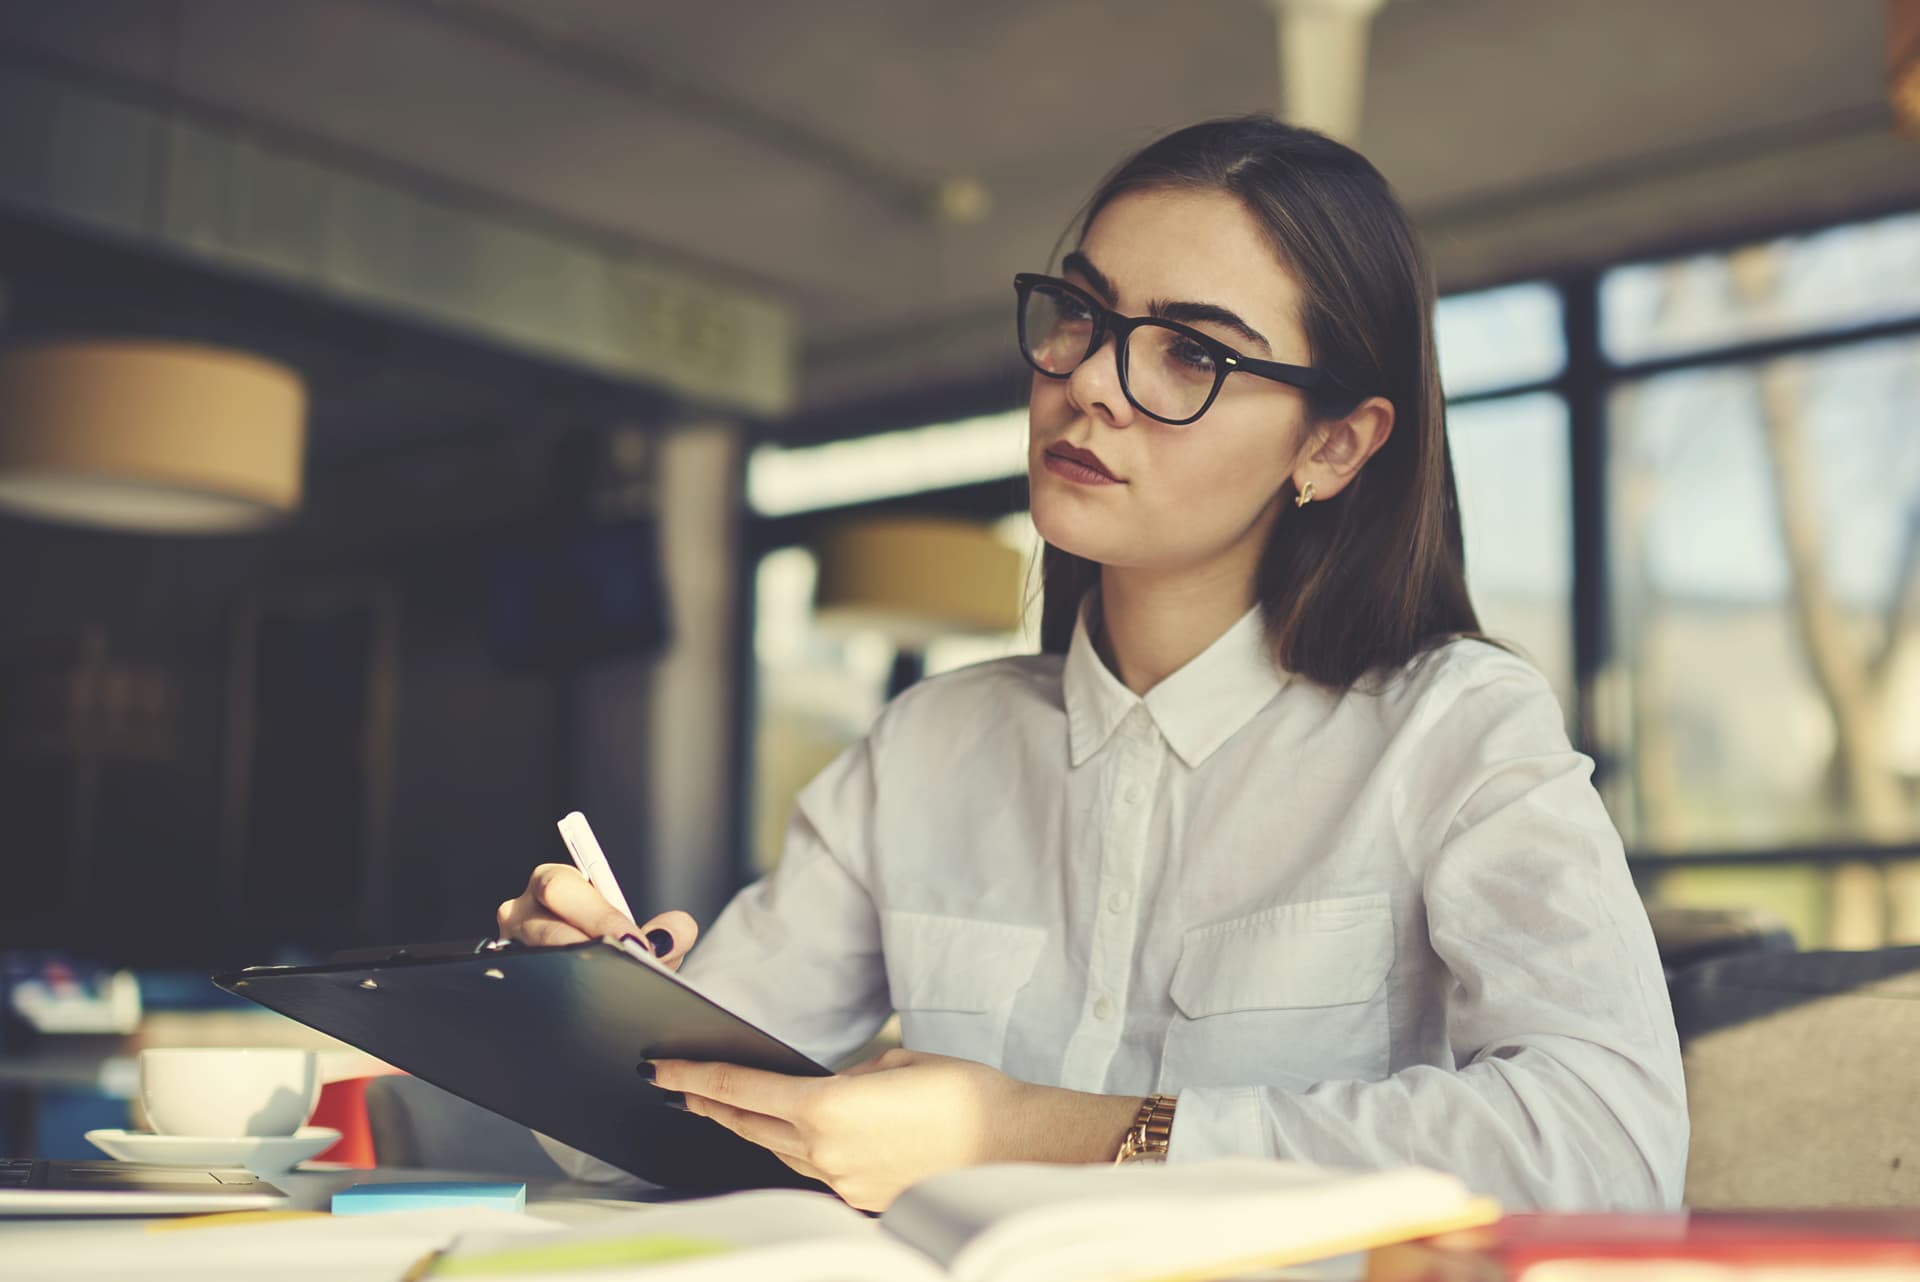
[1266, 843]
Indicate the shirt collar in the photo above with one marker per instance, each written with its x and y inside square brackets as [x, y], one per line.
[1197, 708]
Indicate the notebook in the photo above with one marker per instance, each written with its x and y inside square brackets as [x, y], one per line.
[1008, 1223]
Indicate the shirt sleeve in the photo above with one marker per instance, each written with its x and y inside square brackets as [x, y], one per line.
[1566, 1091]
[798, 952]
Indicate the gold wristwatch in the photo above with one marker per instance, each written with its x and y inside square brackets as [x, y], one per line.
[1151, 1132]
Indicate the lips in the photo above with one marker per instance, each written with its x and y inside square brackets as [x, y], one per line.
[1086, 458]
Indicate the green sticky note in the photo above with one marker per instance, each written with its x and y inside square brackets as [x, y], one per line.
[602, 1253]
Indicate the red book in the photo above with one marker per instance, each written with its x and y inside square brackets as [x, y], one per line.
[1704, 1246]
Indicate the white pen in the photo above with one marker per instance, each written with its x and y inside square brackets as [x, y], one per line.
[592, 861]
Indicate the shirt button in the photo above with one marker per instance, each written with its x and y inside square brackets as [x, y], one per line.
[1132, 794]
[1117, 902]
[1103, 1009]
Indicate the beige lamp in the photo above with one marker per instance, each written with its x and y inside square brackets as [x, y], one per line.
[916, 579]
[154, 436]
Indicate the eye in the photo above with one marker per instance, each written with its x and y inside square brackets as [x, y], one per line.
[1190, 354]
[1070, 307]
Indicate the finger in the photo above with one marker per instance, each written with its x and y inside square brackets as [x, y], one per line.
[516, 918]
[680, 930]
[776, 1135]
[562, 891]
[520, 919]
[757, 1091]
[542, 930]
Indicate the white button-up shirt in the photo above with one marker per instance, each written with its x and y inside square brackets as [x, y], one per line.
[1386, 926]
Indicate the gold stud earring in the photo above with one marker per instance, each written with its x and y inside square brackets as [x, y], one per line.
[1305, 496]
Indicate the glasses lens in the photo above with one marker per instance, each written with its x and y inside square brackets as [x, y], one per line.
[1168, 374]
[1057, 329]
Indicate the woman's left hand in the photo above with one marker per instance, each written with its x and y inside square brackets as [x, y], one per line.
[869, 1132]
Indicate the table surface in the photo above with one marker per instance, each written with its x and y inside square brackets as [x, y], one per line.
[96, 1249]
[113, 1250]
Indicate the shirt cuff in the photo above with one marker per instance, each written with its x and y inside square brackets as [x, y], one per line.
[1218, 1122]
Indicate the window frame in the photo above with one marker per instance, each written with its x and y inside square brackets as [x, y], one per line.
[1590, 380]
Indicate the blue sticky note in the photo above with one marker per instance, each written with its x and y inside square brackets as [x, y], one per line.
[428, 1195]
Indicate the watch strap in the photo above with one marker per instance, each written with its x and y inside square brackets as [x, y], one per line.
[1150, 1135]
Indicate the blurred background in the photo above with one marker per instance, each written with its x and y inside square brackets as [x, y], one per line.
[420, 418]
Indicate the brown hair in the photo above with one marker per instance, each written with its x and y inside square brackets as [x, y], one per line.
[1375, 576]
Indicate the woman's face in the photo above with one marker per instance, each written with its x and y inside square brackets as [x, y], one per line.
[1183, 498]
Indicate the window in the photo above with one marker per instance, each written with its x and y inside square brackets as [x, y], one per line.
[818, 688]
[1766, 522]
[815, 693]
[1499, 338]
[1763, 574]
[1510, 462]
[1853, 275]
[1511, 467]
[1752, 529]
[916, 460]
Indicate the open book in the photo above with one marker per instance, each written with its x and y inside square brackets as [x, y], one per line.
[1011, 1223]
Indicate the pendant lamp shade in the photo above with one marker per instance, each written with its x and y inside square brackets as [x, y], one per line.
[917, 578]
[1903, 63]
[162, 437]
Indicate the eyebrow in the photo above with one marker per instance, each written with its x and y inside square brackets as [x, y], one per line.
[1184, 312]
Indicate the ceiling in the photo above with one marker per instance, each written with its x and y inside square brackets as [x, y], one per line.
[791, 146]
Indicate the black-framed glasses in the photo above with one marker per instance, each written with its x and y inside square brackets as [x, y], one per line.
[1168, 371]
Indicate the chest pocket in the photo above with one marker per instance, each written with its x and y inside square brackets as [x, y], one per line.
[1287, 997]
[953, 980]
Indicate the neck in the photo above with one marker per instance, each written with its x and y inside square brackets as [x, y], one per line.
[1153, 624]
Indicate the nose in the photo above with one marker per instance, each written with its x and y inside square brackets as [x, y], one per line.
[1094, 386]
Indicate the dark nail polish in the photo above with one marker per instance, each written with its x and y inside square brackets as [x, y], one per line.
[645, 1069]
[660, 941]
[674, 1100]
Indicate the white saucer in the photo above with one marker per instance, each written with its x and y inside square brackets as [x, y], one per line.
[264, 1155]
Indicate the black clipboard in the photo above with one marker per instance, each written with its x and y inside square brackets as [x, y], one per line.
[549, 1037]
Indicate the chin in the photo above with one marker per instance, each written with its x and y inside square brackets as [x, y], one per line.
[1053, 524]
[1072, 531]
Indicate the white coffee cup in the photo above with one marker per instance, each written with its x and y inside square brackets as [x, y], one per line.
[225, 1092]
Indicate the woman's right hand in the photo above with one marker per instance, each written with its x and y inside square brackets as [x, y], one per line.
[560, 907]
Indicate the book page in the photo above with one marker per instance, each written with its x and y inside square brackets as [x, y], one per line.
[1064, 1223]
[792, 1235]
[942, 1214]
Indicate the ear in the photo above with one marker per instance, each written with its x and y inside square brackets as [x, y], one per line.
[1340, 448]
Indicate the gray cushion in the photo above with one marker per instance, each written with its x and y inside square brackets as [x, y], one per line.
[1803, 1078]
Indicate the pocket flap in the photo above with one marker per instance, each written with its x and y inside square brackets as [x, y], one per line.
[936, 962]
[1327, 952]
